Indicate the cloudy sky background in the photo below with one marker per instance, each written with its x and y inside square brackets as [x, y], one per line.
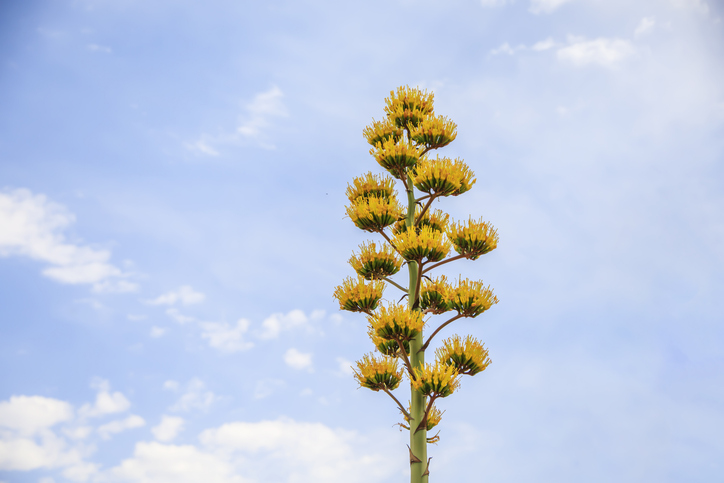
[172, 178]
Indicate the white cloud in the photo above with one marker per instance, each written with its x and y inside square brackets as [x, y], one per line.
[545, 6]
[106, 402]
[494, 3]
[195, 397]
[185, 295]
[280, 451]
[168, 428]
[273, 325]
[298, 360]
[32, 226]
[226, 337]
[29, 414]
[26, 439]
[158, 463]
[604, 52]
[120, 425]
[157, 332]
[645, 26]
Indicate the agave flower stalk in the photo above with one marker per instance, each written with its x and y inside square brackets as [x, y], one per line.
[422, 238]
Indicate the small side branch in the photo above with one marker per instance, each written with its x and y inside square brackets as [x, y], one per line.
[429, 339]
[427, 205]
[456, 257]
[395, 284]
[382, 232]
[399, 404]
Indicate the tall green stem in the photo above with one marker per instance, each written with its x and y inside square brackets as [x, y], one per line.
[418, 439]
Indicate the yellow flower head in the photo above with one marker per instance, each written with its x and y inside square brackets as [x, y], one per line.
[468, 357]
[396, 158]
[408, 106]
[428, 243]
[473, 238]
[387, 347]
[374, 213]
[371, 185]
[381, 131]
[434, 294]
[471, 299]
[358, 296]
[396, 322]
[437, 220]
[371, 263]
[439, 380]
[442, 176]
[435, 132]
[378, 373]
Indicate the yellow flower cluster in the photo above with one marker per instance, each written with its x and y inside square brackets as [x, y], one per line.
[471, 299]
[387, 347]
[396, 322]
[434, 294]
[381, 131]
[378, 373]
[428, 243]
[358, 296]
[438, 380]
[473, 238]
[396, 158]
[437, 220]
[372, 263]
[408, 106]
[435, 132]
[442, 176]
[371, 185]
[374, 213]
[468, 357]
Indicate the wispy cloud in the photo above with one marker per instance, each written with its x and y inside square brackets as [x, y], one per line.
[645, 26]
[120, 425]
[255, 124]
[277, 323]
[195, 396]
[602, 51]
[106, 402]
[99, 48]
[545, 6]
[298, 360]
[33, 226]
[227, 337]
[184, 295]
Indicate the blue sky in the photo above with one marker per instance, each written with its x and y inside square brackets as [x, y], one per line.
[172, 179]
